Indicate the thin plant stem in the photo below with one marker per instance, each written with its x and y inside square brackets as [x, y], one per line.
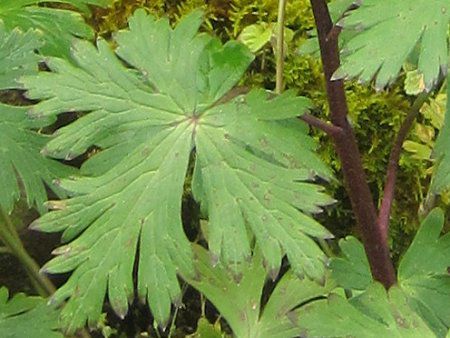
[156, 328]
[10, 226]
[328, 128]
[14, 246]
[172, 324]
[280, 46]
[391, 172]
[37, 286]
[203, 302]
[10, 238]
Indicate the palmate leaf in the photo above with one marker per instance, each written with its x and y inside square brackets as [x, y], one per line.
[374, 313]
[24, 316]
[423, 282]
[423, 273]
[387, 31]
[21, 164]
[59, 26]
[253, 158]
[240, 303]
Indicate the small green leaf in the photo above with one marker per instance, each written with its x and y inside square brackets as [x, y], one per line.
[435, 110]
[256, 36]
[207, 330]
[352, 270]
[419, 151]
[24, 316]
[414, 84]
[425, 133]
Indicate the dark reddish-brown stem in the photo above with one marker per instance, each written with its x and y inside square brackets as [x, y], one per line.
[328, 128]
[391, 173]
[374, 239]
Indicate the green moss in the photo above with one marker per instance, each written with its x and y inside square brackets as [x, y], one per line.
[109, 20]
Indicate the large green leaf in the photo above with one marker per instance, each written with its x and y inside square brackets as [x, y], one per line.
[374, 313]
[387, 31]
[240, 302]
[23, 316]
[21, 164]
[59, 26]
[253, 164]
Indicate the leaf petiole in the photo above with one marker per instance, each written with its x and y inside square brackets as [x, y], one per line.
[12, 242]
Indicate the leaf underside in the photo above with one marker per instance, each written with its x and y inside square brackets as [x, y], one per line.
[24, 316]
[254, 163]
[387, 32]
[58, 26]
[22, 167]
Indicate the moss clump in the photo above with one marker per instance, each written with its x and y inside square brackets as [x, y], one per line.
[109, 20]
